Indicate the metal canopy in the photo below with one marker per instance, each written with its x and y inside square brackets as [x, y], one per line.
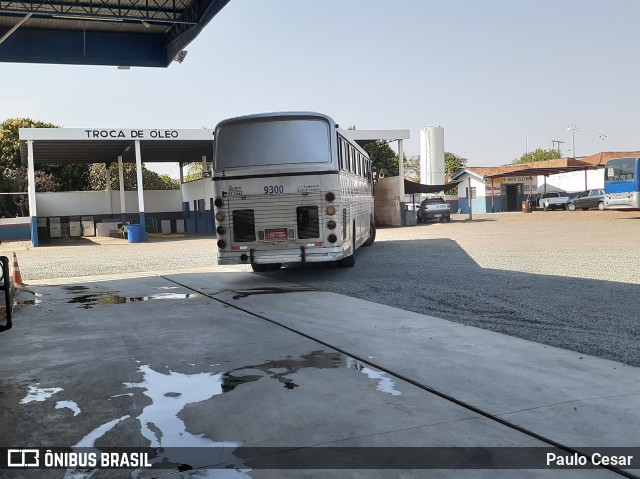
[546, 168]
[101, 32]
[70, 145]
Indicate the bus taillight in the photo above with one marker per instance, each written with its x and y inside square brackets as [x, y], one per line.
[331, 210]
[331, 225]
[332, 238]
[222, 244]
[330, 196]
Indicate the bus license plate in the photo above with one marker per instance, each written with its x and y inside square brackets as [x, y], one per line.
[276, 234]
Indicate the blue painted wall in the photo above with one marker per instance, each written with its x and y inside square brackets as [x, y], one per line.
[15, 232]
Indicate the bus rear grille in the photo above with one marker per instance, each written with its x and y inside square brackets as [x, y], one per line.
[308, 222]
[344, 223]
[244, 226]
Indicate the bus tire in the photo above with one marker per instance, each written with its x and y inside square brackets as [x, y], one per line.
[258, 268]
[273, 266]
[372, 234]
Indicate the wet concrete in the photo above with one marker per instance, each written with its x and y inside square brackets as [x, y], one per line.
[199, 373]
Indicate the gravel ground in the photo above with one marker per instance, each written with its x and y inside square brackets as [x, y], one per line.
[568, 279]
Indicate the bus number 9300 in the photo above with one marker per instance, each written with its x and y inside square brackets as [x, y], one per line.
[273, 189]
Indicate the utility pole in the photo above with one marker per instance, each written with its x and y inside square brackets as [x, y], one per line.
[602, 136]
[470, 198]
[573, 128]
[556, 142]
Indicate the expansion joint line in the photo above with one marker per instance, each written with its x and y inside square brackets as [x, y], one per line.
[413, 382]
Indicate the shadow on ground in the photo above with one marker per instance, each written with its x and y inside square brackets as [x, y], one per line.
[437, 277]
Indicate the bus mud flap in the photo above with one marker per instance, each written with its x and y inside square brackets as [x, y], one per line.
[251, 255]
[303, 254]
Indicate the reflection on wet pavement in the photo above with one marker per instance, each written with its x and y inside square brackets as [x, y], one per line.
[169, 392]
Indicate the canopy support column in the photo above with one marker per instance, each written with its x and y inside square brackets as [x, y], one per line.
[123, 208]
[140, 187]
[401, 168]
[31, 190]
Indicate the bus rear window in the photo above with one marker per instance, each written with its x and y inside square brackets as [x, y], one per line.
[620, 170]
[272, 142]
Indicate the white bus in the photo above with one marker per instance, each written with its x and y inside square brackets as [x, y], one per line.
[290, 188]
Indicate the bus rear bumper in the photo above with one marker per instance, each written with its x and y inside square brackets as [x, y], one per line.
[297, 255]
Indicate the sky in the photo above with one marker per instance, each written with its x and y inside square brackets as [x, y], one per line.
[501, 76]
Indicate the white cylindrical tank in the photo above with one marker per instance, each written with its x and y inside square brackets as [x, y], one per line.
[432, 155]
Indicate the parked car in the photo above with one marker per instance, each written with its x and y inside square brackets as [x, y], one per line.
[552, 200]
[434, 208]
[587, 199]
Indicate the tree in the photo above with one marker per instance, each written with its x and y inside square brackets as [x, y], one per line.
[150, 179]
[412, 167]
[453, 163]
[538, 155]
[13, 173]
[382, 157]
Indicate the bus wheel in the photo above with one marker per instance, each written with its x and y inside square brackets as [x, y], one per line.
[258, 268]
[372, 234]
[272, 267]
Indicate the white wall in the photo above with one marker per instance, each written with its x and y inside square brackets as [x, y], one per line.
[86, 203]
[479, 185]
[18, 220]
[197, 190]
[573, 181]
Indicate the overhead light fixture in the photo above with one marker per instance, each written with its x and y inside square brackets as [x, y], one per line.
[180, 56]
[91, 19]
[123, 67]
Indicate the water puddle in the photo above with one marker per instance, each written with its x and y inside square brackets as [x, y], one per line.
[39, 394]
[89, 300]
[37, 298]
[161, 425]
[275, 290]
[385, 384]
[170, 392]
[71, 405]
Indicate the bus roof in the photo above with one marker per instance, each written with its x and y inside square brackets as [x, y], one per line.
[277, 114]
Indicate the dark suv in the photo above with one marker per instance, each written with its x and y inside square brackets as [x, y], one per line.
[587, 199]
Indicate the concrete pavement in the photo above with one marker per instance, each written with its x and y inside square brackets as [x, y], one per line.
[142, 360]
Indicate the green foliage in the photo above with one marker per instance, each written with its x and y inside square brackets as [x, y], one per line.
[10, 139]
[150, 179]
[453, 163]
[13, 173]
[412, 167]
[382, 157]
[538, 155]
[194, 171]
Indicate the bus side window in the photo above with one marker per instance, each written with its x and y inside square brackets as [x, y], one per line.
[340, 149]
